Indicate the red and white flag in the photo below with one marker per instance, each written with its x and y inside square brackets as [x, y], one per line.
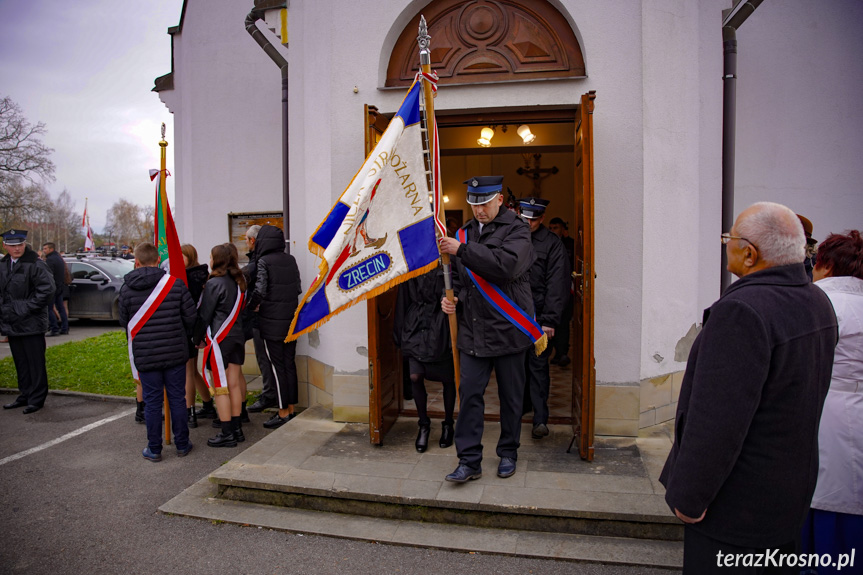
[88, 231]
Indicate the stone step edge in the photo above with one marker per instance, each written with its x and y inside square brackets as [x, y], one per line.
[226, 477]
[440, 514]
[199, 501]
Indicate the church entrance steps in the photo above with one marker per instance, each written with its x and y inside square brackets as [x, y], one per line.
[314, 475]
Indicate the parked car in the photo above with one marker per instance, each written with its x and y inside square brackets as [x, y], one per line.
[95, 287]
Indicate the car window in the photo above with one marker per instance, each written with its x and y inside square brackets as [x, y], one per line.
[117, 268]
[81, 271]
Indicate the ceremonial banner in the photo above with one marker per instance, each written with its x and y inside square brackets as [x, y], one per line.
[381, 232]
[165, 237]
[88, 231]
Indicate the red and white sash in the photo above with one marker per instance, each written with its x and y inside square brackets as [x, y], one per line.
[212, 353]
[157, 296]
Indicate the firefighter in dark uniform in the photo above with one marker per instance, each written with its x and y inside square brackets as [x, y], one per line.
[549, 283]
[498, 250]
[26, 290]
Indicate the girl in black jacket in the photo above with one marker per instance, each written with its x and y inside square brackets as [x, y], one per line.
[219, 319]
[196, 277]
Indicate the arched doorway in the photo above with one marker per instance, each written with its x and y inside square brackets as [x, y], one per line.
[481, 41]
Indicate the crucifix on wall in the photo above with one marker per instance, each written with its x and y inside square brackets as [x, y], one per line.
[532, 170]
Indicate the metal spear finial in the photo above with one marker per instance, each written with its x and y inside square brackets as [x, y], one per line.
[163, 130]
[423, 39]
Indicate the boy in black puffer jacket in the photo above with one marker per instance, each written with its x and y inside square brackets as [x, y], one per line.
[158, 330]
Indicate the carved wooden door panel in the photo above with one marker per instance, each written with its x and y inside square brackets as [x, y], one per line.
[583, 365]
[385, 361]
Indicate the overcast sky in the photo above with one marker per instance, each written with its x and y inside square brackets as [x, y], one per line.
[85, 68]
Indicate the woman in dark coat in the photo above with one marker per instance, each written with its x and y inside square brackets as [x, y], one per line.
[219, 310]
[196, 276]
[421, 330]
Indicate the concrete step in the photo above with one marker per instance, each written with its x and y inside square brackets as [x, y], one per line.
[201, 501]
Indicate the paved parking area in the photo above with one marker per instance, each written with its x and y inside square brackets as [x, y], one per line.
[88, 504]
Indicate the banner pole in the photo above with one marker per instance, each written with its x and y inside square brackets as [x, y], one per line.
[424, 41]
[162, 181]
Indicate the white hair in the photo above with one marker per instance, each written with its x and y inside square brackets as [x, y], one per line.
[252, 232]
[776, 232]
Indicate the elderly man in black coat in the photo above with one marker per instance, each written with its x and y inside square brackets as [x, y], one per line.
[26, 291]
[495, 246]
[742, 470]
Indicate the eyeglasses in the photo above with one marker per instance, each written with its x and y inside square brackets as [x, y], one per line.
[726, 237]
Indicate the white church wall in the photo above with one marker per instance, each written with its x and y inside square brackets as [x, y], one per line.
[226, 102]
[799, 120]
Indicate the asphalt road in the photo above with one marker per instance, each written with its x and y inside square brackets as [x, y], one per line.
[88, 504]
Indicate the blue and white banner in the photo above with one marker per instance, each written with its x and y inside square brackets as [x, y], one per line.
[381, 232]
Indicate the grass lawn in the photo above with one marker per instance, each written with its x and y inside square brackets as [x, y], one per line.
[94, 365]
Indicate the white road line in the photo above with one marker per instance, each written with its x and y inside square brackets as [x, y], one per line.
[69, 435]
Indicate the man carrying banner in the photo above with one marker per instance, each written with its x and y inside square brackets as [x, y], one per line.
[496, 326]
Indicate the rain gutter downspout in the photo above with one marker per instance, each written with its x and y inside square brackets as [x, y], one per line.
[282, 63]
[731, 22]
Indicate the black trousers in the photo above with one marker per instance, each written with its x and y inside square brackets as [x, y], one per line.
[28, 353]
[703, 555]
[475, 373]
[269, 382]
[538, 383]
[281, 356]
[560, 341]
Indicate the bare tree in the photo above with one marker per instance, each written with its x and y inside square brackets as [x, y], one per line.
[126, 223]
[22, 152]
[22, 202]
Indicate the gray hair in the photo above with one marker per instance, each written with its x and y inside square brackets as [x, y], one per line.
[776, 232]
[252, 232]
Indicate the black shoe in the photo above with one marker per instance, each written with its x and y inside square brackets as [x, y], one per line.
[207, 412]
[261, 404]
[506, 467]
[31, 409]
[446, 435]
[193, 419]
[185, 452]
[238, 435]
[52, 334]
[540, 430]
[422, 442]
[64, 332]
[217, 424]
[150, 456]
[16, 404]
[222, 440]
[244, 417]
[463, 474]
[276, 421]
[564, 361]
[139, 412]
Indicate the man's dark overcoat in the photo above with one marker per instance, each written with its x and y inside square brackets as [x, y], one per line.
[25, 294]
[746, 429]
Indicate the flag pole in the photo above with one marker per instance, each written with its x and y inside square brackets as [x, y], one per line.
[424, 42]
[163, 144]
